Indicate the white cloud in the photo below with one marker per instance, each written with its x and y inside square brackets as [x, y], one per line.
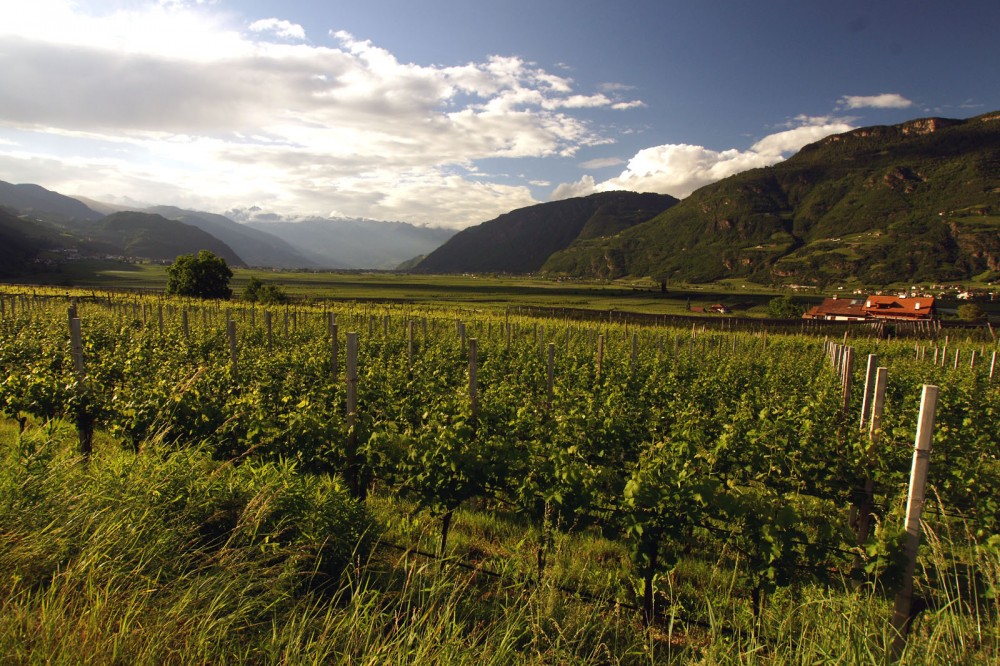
[580, 188]
[279, 27]
[791, 140]
[601, 163]
[679, 169]
[624, 106]
[883, 101]
[188, 96]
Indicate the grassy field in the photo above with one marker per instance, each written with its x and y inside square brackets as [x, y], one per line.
[485, 292]
[128, 558]
[478, 292]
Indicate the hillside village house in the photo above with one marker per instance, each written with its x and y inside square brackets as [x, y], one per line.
[873, 308]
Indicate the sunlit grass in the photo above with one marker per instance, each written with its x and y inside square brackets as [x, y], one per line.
[166, 556]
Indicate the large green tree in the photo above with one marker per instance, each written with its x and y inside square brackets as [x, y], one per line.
[201, 276]
[784, 307]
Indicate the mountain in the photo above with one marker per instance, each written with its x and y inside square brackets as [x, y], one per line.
[105, 208]
[21, 241]
[522, 240]
[919, 201]
[255, 247]
[353, 243]
[38, 202]
[155, 237]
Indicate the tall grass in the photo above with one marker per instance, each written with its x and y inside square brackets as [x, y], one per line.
[168, 556]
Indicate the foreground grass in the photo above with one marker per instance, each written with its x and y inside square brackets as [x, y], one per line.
[166, 556]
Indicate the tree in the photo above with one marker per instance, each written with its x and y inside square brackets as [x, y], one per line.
[783, 307]
[201, 276]
[970, 312]
[258, 291]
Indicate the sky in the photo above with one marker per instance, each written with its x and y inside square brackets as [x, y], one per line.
[451, 112]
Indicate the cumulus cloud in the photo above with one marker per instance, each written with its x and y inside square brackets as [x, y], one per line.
[580, 188]
[883, 101]
[279, 27]
[679, 169]
[791, 140]
[180, 93]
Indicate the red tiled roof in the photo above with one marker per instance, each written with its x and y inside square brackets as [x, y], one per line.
[837, 307]
[894, 306]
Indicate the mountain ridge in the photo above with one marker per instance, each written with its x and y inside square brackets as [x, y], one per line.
[522, 240]
[909, 202]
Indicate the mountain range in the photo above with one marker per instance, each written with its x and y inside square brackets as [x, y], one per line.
[42, 226]
[918, 201]
[914, 202]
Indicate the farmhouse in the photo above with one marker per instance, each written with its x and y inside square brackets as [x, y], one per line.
[838, 309]
[873, 308]
[894, 307]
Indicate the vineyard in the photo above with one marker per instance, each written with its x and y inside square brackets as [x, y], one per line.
[638, 472]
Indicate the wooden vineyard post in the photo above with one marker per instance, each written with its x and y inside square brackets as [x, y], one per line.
[267, 325]
[353, 471]
[159, 317]
[847, 376]
[914, 507]
[334, 348]
[993, 366]
[473, 381]
[550, 388]
[635, 353]
[231, 332]
[185, 327]
[600, 354]
[84, 419]
[409, 346]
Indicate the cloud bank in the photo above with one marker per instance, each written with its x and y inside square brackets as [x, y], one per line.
[242, 113]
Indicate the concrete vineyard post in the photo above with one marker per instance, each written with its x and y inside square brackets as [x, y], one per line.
[866, 504]
[869, 386]
[914, 509]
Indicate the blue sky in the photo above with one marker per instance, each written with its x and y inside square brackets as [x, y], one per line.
[452, 112]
